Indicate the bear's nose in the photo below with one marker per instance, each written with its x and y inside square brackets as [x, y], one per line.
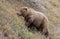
[17, 13]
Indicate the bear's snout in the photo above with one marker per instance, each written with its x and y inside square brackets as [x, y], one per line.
[18, 14]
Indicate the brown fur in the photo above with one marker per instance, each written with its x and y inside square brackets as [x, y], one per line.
[35, 19]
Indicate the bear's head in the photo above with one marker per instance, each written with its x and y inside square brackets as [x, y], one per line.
[22, 11]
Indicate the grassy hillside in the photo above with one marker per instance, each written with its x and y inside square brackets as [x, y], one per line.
[12, 26]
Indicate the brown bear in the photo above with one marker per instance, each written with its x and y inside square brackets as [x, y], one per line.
[35, 19]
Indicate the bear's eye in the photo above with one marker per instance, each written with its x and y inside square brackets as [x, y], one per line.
[25, 9]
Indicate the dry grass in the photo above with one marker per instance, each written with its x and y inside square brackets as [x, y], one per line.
[13, 25]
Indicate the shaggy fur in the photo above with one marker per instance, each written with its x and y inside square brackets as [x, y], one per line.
[35, 19]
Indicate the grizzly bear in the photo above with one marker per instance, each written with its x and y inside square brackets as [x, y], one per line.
[35, 19]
